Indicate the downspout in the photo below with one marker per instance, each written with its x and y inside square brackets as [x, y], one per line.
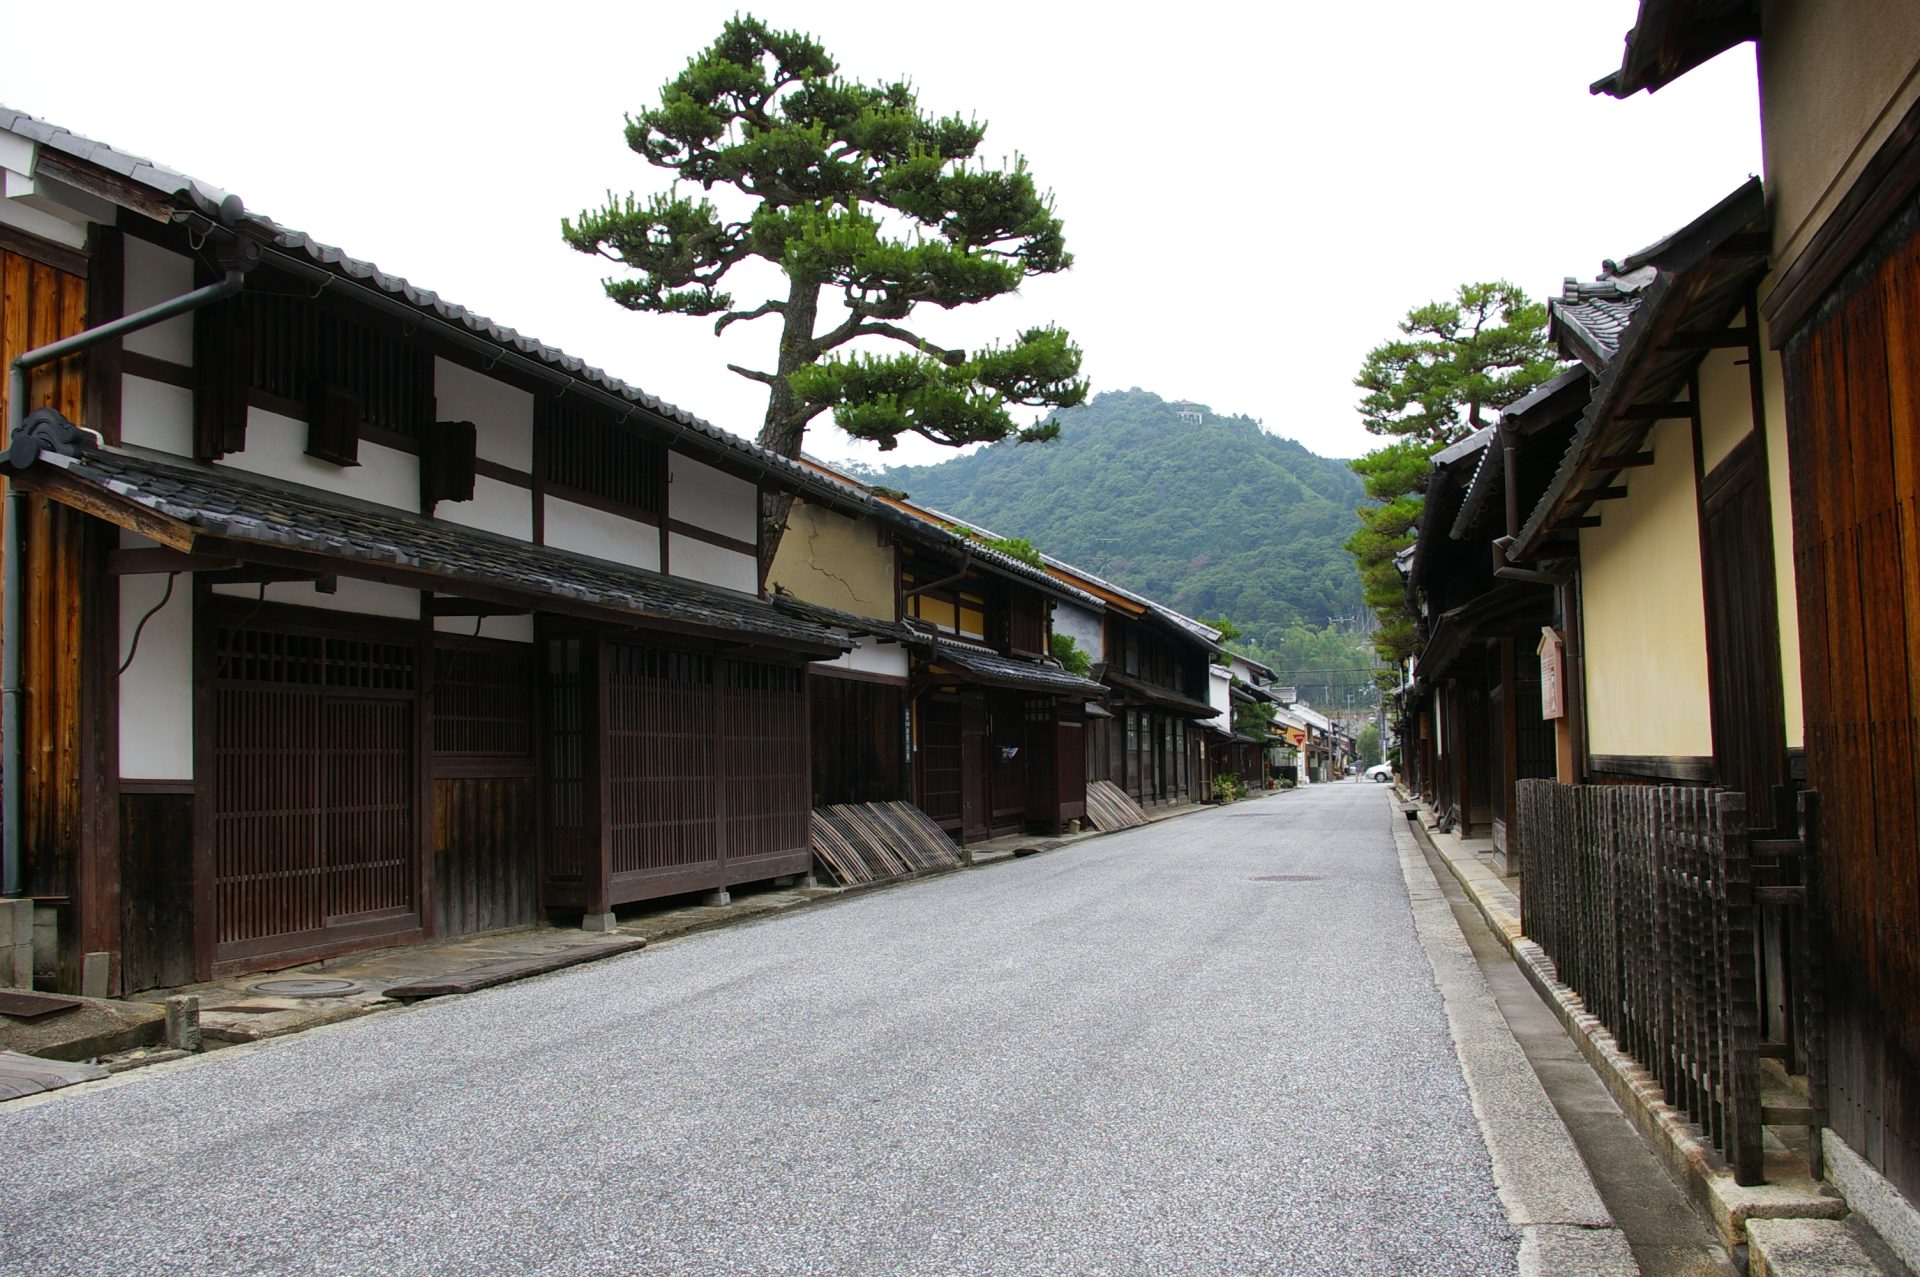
[238, 256]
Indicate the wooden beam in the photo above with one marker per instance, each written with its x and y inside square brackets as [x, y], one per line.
[88, 499]
[1587, 496]
[1658, 412]
[144, 562]
[1724, 339]
[1623, 461]
[473, 607]
[259, 574]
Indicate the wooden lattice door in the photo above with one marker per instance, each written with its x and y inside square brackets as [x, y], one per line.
[315, 840]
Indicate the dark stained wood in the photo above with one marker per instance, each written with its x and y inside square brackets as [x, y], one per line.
[105, 291]
[859, 747]
[485, 870]
[1681, 767]
[1853, 428]
[156, 890]
[937, 759]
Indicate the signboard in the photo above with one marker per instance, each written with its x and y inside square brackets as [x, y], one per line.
[1553, 683]
[1296, 736]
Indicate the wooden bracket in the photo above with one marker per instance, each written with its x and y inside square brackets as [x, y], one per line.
[1669, 411]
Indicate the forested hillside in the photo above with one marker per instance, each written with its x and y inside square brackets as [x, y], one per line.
[1214, 518]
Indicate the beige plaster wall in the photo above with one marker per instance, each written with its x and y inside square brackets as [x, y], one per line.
[1780, 497]
[1645, 629]
[833, 561]
[1834, 80]
[1726, 405]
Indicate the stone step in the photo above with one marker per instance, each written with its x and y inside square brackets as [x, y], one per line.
[1822, 1247]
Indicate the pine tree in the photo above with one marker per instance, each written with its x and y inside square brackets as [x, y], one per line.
[859, 197]
[1455, 364]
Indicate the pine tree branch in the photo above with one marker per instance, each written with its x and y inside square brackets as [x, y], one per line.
[765, 378]
[735, 316]
[913, 339]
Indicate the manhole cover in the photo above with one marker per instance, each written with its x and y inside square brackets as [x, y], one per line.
[304, 988]
[1289, 878]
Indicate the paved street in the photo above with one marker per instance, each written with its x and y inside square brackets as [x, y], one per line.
[1212, 1046]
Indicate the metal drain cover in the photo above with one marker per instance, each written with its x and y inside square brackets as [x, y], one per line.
[1289, 878]
[304, 987]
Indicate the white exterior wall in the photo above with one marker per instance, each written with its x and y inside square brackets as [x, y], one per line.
[713, 564]
[156, 415]
[156, 692]
[1220, 696]
[499, 507]
[512, 629]
[277, 448]
[152, 276]
[870, 656]
[502, 415]
[707, 498]
[1083, 625]
[585, 530]
[366, 598]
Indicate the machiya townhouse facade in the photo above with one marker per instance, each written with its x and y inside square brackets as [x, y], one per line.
[1680, 563]
[349, 617]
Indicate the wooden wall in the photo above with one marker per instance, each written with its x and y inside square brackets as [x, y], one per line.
[1853, 385]
[859, 751]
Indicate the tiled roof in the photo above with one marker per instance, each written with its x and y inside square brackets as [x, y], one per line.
[302, 247]
[1588, 316]
[245, 509]
[1164, 697]
[1695, 280]
[1005, 671]
[852, 622]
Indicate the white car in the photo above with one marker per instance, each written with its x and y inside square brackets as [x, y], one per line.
[1382, 772]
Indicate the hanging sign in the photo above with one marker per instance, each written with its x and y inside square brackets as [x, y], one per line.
[1553, 683]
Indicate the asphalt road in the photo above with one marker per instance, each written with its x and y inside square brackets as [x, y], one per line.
[1212, 1046]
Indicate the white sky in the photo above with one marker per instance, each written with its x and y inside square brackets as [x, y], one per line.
[1254, 194]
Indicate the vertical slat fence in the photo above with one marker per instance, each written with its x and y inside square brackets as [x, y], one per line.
[1643, 897]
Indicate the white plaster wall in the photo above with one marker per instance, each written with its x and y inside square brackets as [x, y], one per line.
[152, 276]
[502, 416]
[1084, 626]
[367, 598]
[585, 530]
[496, 507]
[513, 629]
[156, 415]
[1220, 696]
[716, 565]
[871, 656]
[37, 222]
[708, 499]
[156, 692]
[276, 447]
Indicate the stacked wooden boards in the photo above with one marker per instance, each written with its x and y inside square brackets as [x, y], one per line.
[871, 842]
[1110, 807]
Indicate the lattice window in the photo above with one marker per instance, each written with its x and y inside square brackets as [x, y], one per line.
[591, 456]
[296, 343]
[482, 702]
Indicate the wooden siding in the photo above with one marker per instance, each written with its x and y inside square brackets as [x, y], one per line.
[156, 890]
[1853, 386]
[859, 749]
[485, 861]
[311, 790]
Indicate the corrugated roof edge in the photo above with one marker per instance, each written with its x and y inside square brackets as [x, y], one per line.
[207, 198]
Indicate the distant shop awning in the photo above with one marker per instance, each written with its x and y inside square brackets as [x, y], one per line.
[1131, 691]
[990, 669]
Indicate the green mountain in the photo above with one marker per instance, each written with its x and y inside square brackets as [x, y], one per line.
[1214, 518]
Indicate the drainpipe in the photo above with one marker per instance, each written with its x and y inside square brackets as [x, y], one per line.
[238, 256]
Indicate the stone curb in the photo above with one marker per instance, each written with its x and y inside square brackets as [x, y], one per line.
[1678, 1143]
[1545, 1188]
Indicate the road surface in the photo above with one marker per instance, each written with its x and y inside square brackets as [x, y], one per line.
[1210, 1046]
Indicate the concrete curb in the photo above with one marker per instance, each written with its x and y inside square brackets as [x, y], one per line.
[1545, 1189]
[1676, 1141]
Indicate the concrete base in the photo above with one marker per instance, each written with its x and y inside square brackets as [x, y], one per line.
[1874, 1198]
[95, 971]
[597, 921]
[718, 896]
[16, 944]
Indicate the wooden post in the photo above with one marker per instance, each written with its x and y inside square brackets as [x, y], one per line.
[1742, 1086]
[1812, 953]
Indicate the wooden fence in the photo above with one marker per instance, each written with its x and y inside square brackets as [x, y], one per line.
[1644, 898]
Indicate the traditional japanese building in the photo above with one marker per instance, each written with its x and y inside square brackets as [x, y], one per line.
[339, 616]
